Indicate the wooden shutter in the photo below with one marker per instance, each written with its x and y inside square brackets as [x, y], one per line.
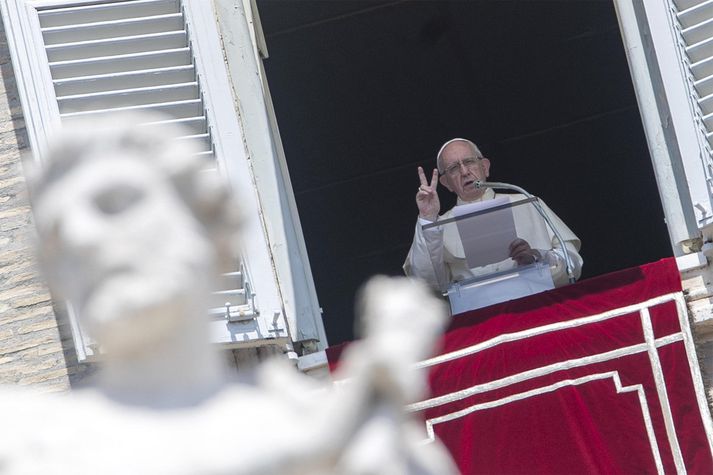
[669, 44]
[693, 21]
[154, 55]
[133, 55]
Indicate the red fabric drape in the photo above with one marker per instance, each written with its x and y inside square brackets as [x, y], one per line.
[596, 377]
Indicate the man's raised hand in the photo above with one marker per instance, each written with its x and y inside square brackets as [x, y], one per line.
[427, 197]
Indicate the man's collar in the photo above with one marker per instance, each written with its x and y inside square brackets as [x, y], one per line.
[488, 194]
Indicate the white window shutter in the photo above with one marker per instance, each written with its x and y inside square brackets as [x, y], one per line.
[669, 44]
[110, 57]
[693, 21]
[239, 25]
[87, 58]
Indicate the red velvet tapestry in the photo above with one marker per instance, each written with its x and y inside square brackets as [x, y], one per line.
[596, 377]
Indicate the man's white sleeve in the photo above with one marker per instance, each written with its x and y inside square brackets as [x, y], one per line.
[555, 257]
[425, 259]
[558, 267]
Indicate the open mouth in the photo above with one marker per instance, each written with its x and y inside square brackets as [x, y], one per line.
[468, 183]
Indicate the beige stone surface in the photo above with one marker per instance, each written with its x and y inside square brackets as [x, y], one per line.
[698, 288]
[32, 344]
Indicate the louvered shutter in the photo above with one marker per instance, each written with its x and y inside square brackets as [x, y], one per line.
[155, 55]
[669, 44]
[694, 24]
[124, 56]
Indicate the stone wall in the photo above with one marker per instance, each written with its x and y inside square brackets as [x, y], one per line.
[698, 288]
[34, 349]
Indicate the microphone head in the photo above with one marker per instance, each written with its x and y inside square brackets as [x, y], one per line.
[479, 185]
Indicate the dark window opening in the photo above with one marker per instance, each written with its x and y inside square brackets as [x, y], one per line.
[365, 92]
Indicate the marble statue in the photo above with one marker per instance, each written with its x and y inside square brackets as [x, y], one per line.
[132, 233]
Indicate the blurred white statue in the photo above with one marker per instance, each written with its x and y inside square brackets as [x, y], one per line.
[131, 233]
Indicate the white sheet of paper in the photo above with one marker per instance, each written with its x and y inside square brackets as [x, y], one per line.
[486, 237]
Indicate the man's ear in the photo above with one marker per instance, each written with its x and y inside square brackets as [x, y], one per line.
[486, 166]
[444, 181]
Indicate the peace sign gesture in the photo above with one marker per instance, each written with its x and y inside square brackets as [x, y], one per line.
[427, 197]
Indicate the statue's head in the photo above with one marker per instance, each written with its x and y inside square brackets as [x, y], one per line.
[131, 227]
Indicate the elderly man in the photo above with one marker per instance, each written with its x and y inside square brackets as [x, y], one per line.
[436, 254]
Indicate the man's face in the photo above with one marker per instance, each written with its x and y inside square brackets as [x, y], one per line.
[460, 177]
[123, 247]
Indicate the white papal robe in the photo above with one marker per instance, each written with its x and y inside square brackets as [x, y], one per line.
[437, 256]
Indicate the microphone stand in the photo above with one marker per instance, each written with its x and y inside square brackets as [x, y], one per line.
[507, 186]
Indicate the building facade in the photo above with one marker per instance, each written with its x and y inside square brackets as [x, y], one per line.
[165, 56]
[669, 45]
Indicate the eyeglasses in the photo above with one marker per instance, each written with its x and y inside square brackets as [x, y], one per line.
[454, 168]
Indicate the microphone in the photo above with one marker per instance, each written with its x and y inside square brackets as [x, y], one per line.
[479, 185]
[502, 186]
